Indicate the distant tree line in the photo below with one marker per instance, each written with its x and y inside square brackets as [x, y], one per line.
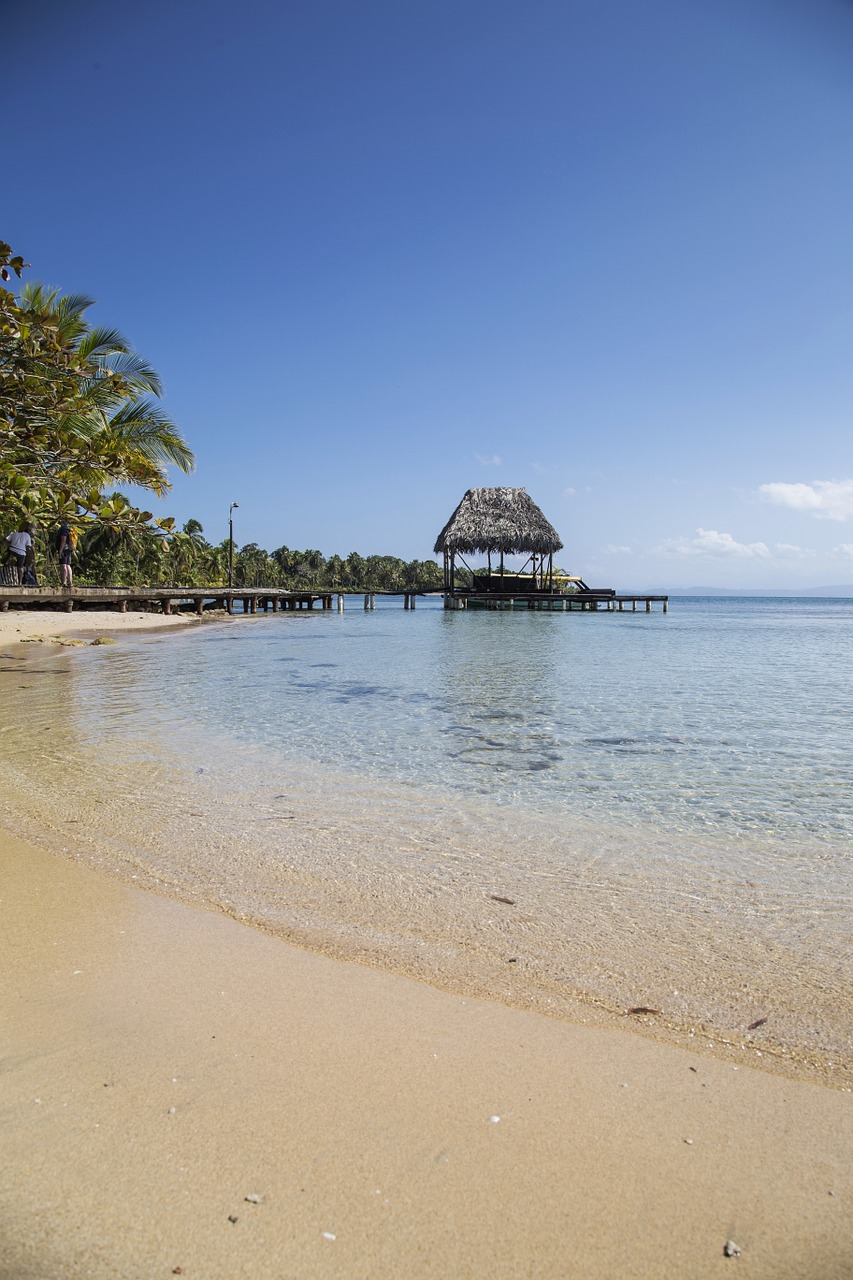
[123, 555]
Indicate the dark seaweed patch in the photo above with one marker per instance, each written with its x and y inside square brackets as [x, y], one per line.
[637, 746]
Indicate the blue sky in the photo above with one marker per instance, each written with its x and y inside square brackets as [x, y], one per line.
[383, 251]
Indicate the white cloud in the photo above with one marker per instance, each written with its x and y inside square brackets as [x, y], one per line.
[711, 543]
[570, 492]
[826, 499]
[845, 549]
[616, 551]
[489, 460]
[790, 551]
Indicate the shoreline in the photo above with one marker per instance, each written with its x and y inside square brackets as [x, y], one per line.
[389, 924]
[172, 1069]
[49, 624]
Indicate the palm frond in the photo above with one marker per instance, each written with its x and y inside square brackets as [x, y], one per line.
[145, 427]
[134, 369]
[100, 392]
[82, 424]
[38, 297]
[65, 310]
[72, 306]
[101, 340]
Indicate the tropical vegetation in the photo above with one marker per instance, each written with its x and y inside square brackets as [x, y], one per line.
[79, 413]
[112, 557]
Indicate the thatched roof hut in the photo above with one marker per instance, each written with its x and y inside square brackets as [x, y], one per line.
[502, 520]
[505, 520]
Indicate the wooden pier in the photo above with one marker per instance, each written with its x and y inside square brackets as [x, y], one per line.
[557, 601]
[167, 599]
[264, 599]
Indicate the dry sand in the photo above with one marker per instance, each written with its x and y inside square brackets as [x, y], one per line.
[186, 1095]
[43, 624]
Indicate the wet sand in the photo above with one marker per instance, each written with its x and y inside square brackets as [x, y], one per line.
[187, 1095]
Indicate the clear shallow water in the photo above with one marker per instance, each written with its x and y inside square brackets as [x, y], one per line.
[667, 800]
[726, 718]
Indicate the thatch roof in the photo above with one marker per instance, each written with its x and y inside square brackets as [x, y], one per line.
[505, 520]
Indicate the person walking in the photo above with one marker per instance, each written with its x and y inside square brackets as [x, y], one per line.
[65, 541]
[19, 545]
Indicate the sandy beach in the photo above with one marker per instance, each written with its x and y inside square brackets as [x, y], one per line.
[45, 624]
[186, 1095]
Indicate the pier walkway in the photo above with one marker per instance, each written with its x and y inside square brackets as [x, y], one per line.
[166, 599]
[556, 601]
[253, 599]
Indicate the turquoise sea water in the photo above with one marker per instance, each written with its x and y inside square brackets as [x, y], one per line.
[669, 797]
[731, 718]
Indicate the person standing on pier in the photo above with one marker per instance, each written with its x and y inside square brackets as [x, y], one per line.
[19, 544]
[65, 541]
[30, 577]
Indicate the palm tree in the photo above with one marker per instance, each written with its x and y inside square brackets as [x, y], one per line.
[215, 565]
[251, 566]
[334, 573]
[186, 552]
[121, 434]
[113, 553]
[354, 570]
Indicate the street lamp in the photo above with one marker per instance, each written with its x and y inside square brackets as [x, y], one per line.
[231, 545]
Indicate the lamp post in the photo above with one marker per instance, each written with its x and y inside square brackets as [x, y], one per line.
[231, 545]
